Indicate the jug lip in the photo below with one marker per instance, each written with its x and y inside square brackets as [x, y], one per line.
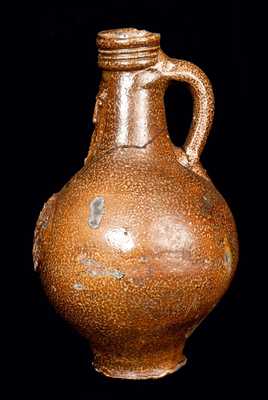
[127, 48]
[126, 37]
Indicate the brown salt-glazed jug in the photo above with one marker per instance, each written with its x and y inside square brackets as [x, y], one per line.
[138, 247]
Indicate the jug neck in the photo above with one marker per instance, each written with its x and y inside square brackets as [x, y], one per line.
[129, 110]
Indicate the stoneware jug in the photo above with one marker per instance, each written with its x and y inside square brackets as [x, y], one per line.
[138, 247]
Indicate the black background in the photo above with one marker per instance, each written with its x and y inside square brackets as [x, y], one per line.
[58, 103]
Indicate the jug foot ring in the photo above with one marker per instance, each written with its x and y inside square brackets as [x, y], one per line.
[155, 373]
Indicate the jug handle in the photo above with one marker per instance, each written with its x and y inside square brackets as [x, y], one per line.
[203, 109]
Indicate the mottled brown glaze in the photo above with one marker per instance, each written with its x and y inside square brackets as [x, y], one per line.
[139, 246]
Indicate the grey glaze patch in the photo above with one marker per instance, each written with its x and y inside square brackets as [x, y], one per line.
[207, 204]
[227, 258]
[96, 210]
[97, 269]
[78, 286]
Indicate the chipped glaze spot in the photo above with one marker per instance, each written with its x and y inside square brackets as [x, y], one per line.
[120, 239]
[96, 212]
[228, 258]
[143, 258]
[207, 204]
[53, 288]
[78, 286]
[96, 269]
[44, 220]
[36, 264]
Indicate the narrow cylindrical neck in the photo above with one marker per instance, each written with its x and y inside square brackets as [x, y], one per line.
[129, 110]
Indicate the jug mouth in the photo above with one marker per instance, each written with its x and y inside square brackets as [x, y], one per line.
[127, 49]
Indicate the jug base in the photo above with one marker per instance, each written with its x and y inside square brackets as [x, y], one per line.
[152, 373]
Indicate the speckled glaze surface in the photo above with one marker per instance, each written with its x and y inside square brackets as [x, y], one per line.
[138, 247]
